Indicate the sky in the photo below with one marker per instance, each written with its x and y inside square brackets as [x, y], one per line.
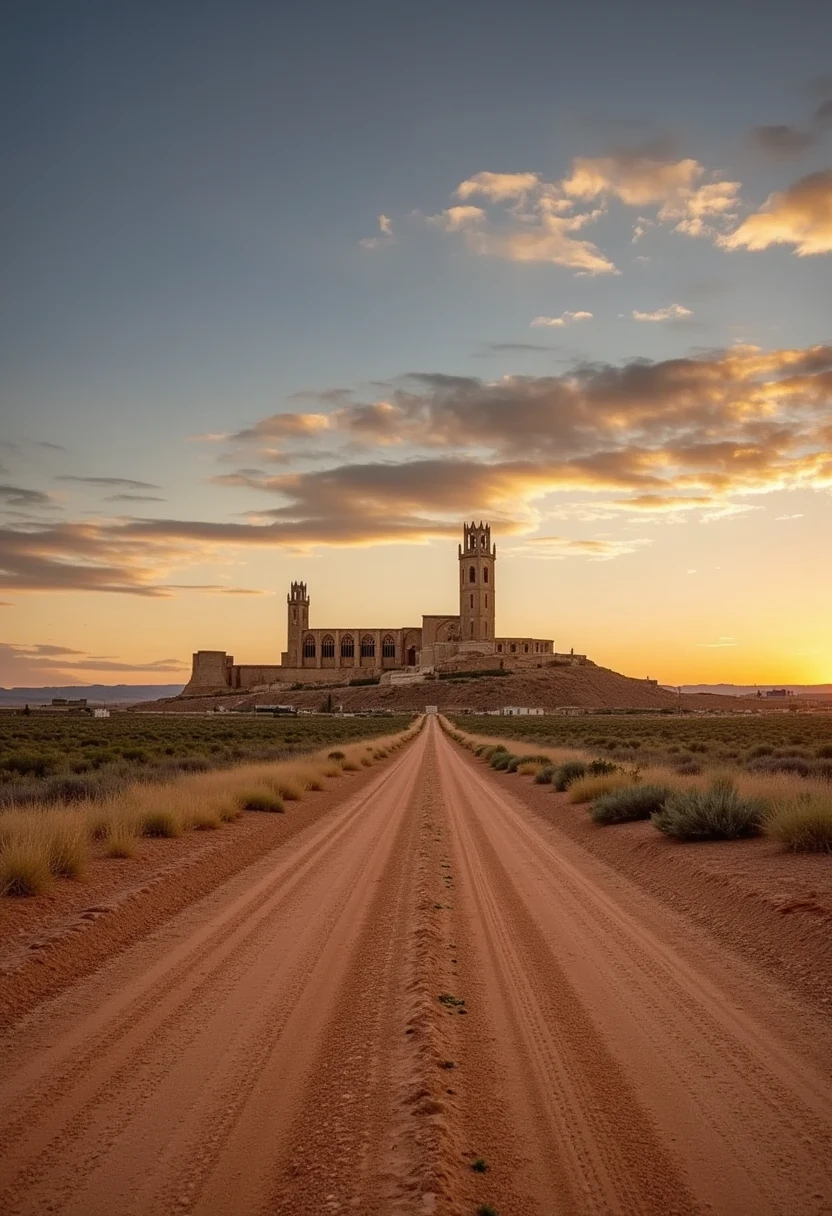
[290, 291]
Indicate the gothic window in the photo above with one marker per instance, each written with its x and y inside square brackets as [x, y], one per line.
[485, 575]
[472, 599]
[513, 648]
[388, 647]
[327, 646]
[482, 541]
[347, 646]
[486, 599]
[500, 647]
[368, 647]
[472, 574]
[526, 648]
[309, 646]
[472, 629]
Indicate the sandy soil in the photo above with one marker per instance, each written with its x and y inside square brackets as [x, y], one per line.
[280, 1045]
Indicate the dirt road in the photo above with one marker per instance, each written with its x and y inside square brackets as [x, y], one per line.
[427, 978]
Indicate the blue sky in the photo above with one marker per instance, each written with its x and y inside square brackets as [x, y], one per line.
[192, 238]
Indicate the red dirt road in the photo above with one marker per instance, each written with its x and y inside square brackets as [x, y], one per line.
[281, 1045]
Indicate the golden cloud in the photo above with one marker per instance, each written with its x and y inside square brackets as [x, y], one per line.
[800, 216]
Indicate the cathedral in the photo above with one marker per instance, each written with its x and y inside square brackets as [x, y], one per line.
[341, 653]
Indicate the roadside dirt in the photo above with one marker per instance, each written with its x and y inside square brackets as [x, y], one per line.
[426, 977]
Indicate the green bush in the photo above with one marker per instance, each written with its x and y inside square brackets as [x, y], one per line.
[568, 772]
[501, 760]
[544, 777]
[629, 803]
[717, 813]
[599, 767]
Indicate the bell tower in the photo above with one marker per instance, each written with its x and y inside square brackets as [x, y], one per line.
[477, 559]
[298, 614]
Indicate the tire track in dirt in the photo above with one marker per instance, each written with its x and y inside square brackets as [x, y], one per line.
[638, 1085]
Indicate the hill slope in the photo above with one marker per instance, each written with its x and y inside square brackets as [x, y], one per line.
[588, 687]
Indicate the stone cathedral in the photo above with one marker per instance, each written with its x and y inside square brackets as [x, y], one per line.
[345, 652]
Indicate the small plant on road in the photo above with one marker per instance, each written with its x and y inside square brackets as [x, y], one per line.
[445, 998]
[479, 1166]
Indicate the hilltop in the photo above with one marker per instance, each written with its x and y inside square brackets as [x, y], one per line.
[581, 687]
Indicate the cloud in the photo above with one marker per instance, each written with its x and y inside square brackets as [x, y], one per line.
[688, 196]
[549, 239]
[134, 498]
[782, 140]
[22, 665]
[110, 482]
[498, 187]
[385, 228]
[673, 312]
[719, 644]
[701, 437]
[518, 347]
[800, 216]
[779, 518]
[559, 547]
[456, 219]
[17, 496]
[565, 318]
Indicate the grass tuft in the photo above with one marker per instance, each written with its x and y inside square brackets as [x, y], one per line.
[802, 823]
[588, 789]
[260, 800]
[629, 803]
[719, 812]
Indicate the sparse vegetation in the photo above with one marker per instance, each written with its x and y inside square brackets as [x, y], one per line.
[59, 758]
[802, 823]
[719, 812]
[479, 1166]
[587, 789]
[628, 803]
[39, 842]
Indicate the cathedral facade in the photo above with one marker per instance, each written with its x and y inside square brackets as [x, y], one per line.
[344, 652]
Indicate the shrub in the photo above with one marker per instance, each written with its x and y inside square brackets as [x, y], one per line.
[717, 813]
[781, 764]
[513, 764]
[260, 800]
[803, 823]
[24, 867]
[336, 755]
[824, 752]
[544, 775]
[501, 761]
[120, 841]
[161, 821]
[597, 768]
[587, 789]
[628, 803]
[566, 773]
[687, 768]
[349, 766]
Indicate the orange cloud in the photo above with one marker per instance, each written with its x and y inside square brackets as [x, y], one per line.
[800, 216]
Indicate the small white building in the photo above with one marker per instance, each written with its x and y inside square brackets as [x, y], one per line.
[519, 711]
[101, 713]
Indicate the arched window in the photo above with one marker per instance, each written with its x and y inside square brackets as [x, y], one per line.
[368, 647]
[485, 575]
[486, 599]
[309, 646]
[472, 574]
[472, 599]
[347, 646]
[327, 646]
[526, 648]
[388, 647]
[482, 541]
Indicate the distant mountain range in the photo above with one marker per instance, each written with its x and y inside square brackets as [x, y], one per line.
[750, 690]
[108, 693]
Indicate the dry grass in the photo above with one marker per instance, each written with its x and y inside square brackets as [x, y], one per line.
[587, 789]
[803, 823]
[38, 843]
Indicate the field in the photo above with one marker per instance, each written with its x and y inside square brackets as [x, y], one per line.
[759, 743]
[65, 759]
